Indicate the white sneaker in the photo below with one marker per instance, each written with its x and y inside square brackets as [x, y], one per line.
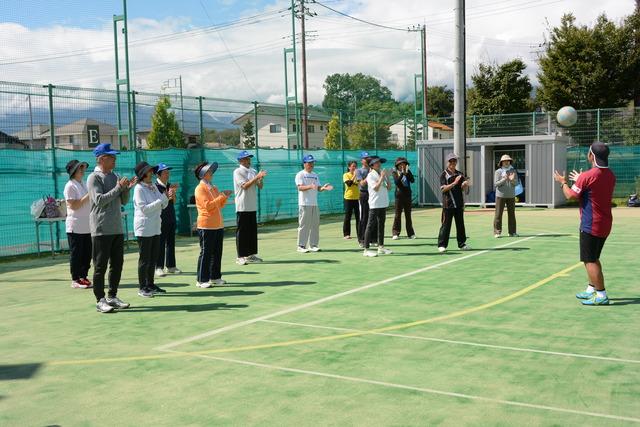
[302, 249]
[254, 258]
[160, 272]
[315, 249]
[78, 285]
[369, 253]
[203, 285]
[218, 282]
[497, 235]
[384, 251]
[465, 247]
[441, 249]
[413, 237]
[173, 270]
[395, 237]
[242, 261]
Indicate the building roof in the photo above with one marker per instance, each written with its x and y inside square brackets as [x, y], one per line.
[315, 115]
[38, 131]
[79, 127]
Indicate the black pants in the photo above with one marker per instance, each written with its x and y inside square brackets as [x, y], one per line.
[167, 249]
[246, 234]
[375, 227]
[107, 250]
[351, 207]
[210, 257]
[364, 216]
[448, 215]
[403, 203]
[148, 248]
[79, 254]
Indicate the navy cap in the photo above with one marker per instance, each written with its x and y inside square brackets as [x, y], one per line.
[364, 155]
[308, 159]
[163, 167]
[243, 155]
[104, 149]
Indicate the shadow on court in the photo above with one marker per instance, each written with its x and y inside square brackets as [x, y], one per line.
[183, 307]
[22, 371]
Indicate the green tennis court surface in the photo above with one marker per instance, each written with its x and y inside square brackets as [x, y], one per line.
[493, 336]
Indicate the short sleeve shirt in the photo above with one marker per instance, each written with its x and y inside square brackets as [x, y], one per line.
[351, 192]
[246, 198]
[309, 197]
[380, 198]
[594, 189]
[77, 220]
[452, 198]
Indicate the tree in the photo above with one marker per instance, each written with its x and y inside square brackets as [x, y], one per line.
[590, 67]
[248, 135]
[165, 131]
[439, 101]
[348, 92]
[332, 140]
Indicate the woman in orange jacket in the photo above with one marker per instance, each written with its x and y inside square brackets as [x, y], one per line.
[209, 203]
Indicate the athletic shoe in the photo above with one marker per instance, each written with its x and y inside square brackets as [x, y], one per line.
[157, 290]
[254, 259]
[497, 235]
[103, 307]
[173, 270]
[369, 253]
[116, 302]
[315, 249]
[441, 249]
[413, 237]
[347, 237]
[218, 282]
[146, 293]
[596, 300]
[86, 281]
[395, 237]
[160, 272]
[203, 285]
[465, 247]
[242, 261]
[384, 251]
[514, 235]
[78, 284]
[585, 295]
[302, 249]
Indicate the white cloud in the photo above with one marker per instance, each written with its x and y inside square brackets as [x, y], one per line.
[497, 31]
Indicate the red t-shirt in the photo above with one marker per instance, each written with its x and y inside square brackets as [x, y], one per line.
[594, 189]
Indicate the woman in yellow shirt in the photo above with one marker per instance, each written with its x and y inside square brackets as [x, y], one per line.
[351, 204]
[209, 203]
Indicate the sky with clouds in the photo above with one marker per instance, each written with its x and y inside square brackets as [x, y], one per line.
[234, 48]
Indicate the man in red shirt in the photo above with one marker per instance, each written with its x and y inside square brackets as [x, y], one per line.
[594, 190]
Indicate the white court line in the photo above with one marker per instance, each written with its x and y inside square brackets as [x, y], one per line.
[423, 389]
[474, 344]
[333, 297]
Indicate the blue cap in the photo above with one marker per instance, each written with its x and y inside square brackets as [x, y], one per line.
[104, 149]
[308, 159]
[364, 155]
[162, 167]
[243, 155]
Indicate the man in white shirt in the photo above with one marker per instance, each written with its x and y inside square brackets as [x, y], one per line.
[308, 185]
[379, 185]
[245, 181]
[77, 224]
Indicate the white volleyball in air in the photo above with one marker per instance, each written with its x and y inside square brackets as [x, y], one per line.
[567, 116]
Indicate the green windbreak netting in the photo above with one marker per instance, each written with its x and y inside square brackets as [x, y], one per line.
[28, 175]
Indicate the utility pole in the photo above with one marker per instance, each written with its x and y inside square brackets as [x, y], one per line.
[459, 89]
[305, 123]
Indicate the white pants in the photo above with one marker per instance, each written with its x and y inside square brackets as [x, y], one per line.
[308, 226]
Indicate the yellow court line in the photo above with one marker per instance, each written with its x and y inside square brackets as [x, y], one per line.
[455, 314]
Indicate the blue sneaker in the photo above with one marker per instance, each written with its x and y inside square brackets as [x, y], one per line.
[585, 295]
[595, 300]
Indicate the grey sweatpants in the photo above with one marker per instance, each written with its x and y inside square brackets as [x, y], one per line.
[308, 226]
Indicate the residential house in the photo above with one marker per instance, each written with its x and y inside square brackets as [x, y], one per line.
[272, 127]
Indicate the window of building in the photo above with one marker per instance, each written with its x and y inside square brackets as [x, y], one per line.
[275, 128]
